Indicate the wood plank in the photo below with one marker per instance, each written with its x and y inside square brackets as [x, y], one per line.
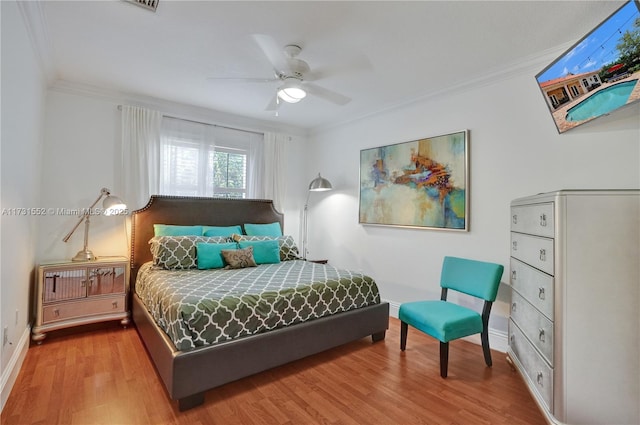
[101, 374]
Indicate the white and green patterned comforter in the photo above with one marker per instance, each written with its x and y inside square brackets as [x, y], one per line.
[202, 307]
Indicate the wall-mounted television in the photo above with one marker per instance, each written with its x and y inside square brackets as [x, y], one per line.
[597, 75]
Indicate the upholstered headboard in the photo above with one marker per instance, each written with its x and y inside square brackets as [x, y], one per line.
[193, 210]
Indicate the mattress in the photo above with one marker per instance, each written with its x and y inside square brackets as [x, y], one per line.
[203, 307]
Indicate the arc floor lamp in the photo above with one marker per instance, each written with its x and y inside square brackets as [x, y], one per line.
[319, 184]
[112, 205]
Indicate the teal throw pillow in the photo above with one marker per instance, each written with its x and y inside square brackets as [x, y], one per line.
[221, 230]
[264, 252]
[210, 254]
[272, 229]
[175, 230]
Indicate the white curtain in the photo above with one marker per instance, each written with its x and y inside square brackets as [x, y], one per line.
[274, 181]
[140, 155]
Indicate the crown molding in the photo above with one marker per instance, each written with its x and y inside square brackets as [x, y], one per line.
[35, 23]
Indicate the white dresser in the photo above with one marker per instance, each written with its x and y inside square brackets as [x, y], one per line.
[574, 332]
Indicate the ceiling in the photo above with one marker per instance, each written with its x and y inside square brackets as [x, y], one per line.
[379, 54]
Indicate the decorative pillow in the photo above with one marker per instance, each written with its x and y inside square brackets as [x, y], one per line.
[272, 229]
[288, 248]
[264, 252]
[179, 252]
[209, 255]
[221, 230]
[239, 258]
[175, 230]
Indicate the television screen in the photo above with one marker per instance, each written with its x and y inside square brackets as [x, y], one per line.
[597, 75]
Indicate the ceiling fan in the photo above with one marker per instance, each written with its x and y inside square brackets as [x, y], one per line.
[294, 74]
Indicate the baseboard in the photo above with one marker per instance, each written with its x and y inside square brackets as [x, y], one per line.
[10, 373]
[498, 340]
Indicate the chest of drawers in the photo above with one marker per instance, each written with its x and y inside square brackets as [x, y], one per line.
[76, 293]
[574, 330]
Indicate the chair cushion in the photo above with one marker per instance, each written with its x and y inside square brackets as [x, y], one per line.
[441, 319]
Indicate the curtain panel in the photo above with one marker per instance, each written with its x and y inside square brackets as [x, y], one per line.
[140, 155]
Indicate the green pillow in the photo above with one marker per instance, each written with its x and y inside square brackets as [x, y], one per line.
[174, 230]
[210, 254]
[271, 229]
[221, 230]
[264, 252]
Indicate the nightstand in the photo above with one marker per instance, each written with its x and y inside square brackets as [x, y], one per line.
[77, 293]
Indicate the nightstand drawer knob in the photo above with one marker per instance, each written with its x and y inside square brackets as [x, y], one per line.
[541, 294]
[543, 255]
[56, 312]
[541, 336]
[513, 307]
[543, 220]
[115, 304]
[513, 275]
[514, 245]
[515, 219]
[540, 380]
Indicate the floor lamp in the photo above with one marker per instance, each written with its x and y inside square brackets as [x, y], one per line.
[319, 184]
[112, 205]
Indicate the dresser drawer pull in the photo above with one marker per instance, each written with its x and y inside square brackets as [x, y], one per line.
[514, 245]
[541, 336]
[539, 378]
[543, 220]
[56, 312]
[513, 275]
[514, 218]
[513, 307]
[543, 255]
[115, 304]
[541, 293]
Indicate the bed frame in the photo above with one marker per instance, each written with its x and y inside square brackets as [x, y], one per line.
[189, 374]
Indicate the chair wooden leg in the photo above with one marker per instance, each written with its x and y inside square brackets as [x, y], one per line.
[484, 336]
[404, 328]
[444, 358]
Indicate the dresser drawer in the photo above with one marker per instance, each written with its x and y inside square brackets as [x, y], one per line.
[533, 250]
[535, 286]
[536, 219]
[537, 328]
[84, 308]
[537, 370]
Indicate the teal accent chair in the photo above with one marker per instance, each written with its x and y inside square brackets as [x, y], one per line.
[447, 321]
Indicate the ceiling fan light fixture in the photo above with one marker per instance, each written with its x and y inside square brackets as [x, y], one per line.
[291, 91]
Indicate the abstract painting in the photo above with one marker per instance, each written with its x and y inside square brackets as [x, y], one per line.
[423, 183]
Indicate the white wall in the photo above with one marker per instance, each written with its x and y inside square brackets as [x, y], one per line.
[515, 151]
[23, 92]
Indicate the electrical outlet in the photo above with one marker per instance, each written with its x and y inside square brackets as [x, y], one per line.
[5, 336]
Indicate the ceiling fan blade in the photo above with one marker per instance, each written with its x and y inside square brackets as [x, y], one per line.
[273, 52]
[274, 104]
[326, 94]
[348, 67]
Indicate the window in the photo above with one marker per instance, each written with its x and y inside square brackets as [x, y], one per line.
[204, 160]
[230, 173]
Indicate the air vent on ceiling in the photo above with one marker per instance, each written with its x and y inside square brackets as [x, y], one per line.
[147, 4]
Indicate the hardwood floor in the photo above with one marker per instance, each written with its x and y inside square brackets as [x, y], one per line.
[104, 376]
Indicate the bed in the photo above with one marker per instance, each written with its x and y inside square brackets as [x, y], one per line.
[189, 372]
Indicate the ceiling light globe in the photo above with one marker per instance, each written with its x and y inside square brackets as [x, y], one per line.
[291, 91]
